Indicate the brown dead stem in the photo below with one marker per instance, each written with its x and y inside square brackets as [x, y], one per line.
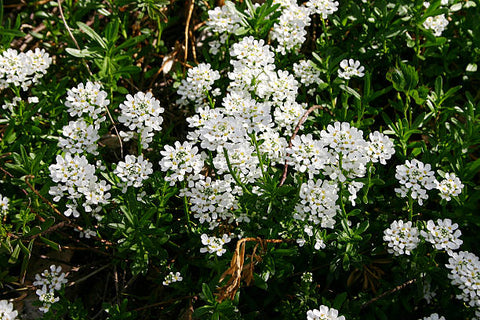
[239, 270]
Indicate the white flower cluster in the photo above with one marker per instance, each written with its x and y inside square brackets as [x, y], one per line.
[290, 31]
[180, 160]
[308, 74]
[437, 24]
[76, 180]
[23, 69]
[214, 244]
[416, 178]
[49, 281]
[351, 68]
[318, 203]
[449, 186]
[223, 19]
[141, 112]
[380, 148]
[133, 171]
[79, 137]
[324, 313]
[6, 311]
[401, 237]
[87, 100]
[444, 235]
[198, 83]
[323, 7]
[3, 205]
[211, 199]
[465, 274]
[434, 316]
[172, 277]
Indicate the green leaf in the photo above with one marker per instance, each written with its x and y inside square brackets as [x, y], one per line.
[207, 293]
[84, 53]
[92, 34]
[339, 300]
[350, 91]
[50, 243]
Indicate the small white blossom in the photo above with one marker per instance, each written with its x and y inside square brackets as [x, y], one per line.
[433, 316]
[444, 235]
[172, 277]
[133, 171]
[380, 147]
[199, 82]
[437, 24]
[350, 68]
[214, 244]
[323, 7]
[465, 274]
[6, 311]
[79, 137]
[141, 111]
[416, 178]
[3, 205]
[401, 237]
[180, 160]
[449, 186]
[23, 69]
[324, 313]
[87, 100]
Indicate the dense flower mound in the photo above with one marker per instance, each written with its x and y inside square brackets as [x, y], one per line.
[416, 178]
[444, 235]
[87, 100]
[133, 171]
[79, 137]
[401, 237]
[23, 69]
[465, 274]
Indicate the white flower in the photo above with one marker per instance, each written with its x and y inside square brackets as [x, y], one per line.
[415, 178]
[449, 186]
[380, 147]
[223, 19]
[433, 316]
[50, 280]
[324, 313]
[318, 203]
[210, 199]
[319, 244]
[444, 235]
[75, 179]
[323, 7]
[214, 244]
[437, 24]
[290, 31]
[198, 83]
[401, 237]
[134, 170]
[465, 274]
[308, 74]
[172, 277]
[79, 138]
[3, 205]
[6, 311]
[350, 68]
[180, 160]
[141, 111]
[87, 100]
[23, 69]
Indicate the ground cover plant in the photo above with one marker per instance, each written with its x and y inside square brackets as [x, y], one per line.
[239, 159]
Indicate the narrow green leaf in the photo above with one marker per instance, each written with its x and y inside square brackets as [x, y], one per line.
[92, 34]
